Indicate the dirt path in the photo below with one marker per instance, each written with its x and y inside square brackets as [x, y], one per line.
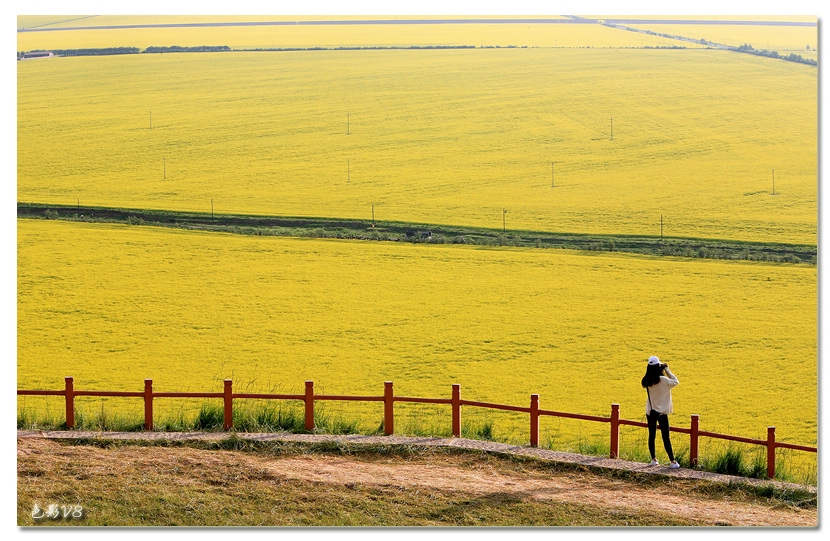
[418, 473]
[576, 488]
[422, 441]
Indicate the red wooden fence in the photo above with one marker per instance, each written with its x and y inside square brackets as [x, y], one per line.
[389, 400]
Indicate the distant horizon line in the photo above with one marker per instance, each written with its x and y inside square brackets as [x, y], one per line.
[568, 20]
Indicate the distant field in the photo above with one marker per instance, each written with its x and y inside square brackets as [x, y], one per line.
[113, 305]
[364, 35]
[70, 21]
[149, 30]
[784, 39]
[450, 136]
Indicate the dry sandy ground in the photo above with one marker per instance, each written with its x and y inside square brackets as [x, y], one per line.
[578, 488]
[414, 474]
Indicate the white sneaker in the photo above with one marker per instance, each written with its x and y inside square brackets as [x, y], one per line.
[654, 462]
[674, 464]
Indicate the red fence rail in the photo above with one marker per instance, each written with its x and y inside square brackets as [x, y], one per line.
[389, 399]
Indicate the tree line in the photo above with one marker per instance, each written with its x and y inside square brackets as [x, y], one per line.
[134, 50]
[792, 57]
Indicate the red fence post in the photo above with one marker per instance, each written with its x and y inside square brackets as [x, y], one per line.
[70, 402]
[771, 452]
[309, 405]
[456, 410]
[615, 430]
[228, 404]
[534, 420]
[148, 404]
[693, 437]
[388, 411]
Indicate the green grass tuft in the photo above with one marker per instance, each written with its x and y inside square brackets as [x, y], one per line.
[272, 417]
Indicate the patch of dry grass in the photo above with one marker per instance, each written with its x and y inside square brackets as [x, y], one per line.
[136, 485]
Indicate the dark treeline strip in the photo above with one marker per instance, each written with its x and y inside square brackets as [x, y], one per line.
[341, 228]
[381, 48]
[745, 48]
[792, 57]
[178, 49]
[225, 48]
[134, 50]
[95, 52]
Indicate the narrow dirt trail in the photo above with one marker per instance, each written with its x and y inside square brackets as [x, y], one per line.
[453, 475]
[576, 488]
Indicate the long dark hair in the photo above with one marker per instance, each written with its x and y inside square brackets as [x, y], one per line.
[653, 373]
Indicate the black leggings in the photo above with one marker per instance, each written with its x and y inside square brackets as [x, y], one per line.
[654, 418]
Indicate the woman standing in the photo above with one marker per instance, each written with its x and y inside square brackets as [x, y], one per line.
[658, 383]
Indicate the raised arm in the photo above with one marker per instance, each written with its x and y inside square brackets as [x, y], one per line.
[670, 378]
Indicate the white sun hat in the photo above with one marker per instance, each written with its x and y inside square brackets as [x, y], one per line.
[653, 360]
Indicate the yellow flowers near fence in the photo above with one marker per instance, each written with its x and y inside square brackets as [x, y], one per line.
[110, 304]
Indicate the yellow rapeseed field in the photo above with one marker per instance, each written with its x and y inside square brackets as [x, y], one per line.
[260, 36]
[801, 40]
[435, 136]
[582, 131]
[112, 305]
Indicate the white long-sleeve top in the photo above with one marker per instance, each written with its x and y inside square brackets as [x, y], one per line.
[660, 394]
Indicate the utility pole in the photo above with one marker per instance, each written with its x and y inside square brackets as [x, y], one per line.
[661, 228]
[504, 220]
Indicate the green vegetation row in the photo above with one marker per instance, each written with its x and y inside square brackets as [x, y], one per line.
[273, 418]
[792, 57]
[745, 48]
[107, 51]
[426, 233]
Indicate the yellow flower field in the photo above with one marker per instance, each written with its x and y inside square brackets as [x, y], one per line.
[363, 35]
[784, 39]
[561, 128]
[112, 305]
[435, 136]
